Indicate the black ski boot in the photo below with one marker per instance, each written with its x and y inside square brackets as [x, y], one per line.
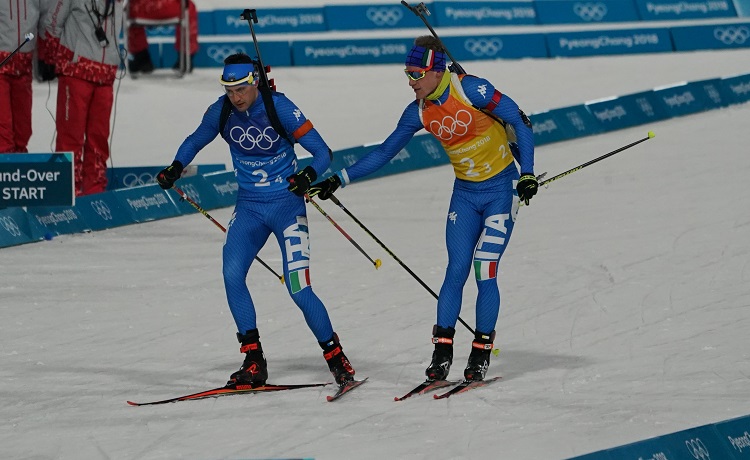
[254, 370]
[141, 62]
[479, 358]
[442, 357]
[339, 365]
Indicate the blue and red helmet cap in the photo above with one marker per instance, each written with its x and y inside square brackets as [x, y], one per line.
[239, 74]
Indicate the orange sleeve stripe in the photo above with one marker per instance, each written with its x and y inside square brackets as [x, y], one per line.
[302, 130]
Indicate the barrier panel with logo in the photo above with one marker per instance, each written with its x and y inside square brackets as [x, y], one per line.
[198, 190]
[548, 128]
[625, 41]
[56, 220]
[146, 203]
[585, 12]
[213, 52]
[135, 176]
[14, 227]
[681, 99]
[670, 10]
[463, 14]
[271, 20]
[364, 17]
[341, 52]
[102, 211]
[738, 87]
[480, 47]
[724, 36]
[224, 187]
[715, 94]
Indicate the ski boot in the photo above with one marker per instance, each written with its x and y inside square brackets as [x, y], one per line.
[339, 365]
[479, 358]
[141, 62]
[254, 370]
[442, 357]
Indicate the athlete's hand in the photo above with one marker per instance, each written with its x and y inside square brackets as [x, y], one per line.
[169, 175]
[527, 187]
[300, 182]
[325, 189]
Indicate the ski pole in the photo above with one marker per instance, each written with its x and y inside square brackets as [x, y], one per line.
[421, 10]
[607, 155]
[28, 37]
[414, 275]
[198, 208]
[377, 262]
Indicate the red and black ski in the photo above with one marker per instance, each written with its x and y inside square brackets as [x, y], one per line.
[426, 387]
[345, 388]
[230, 390]
[466, 385]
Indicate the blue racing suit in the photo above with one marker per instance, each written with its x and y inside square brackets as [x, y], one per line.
[262, 161]
[484, 203]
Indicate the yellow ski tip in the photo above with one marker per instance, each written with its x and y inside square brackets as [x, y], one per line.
[651, 134]
[378, 263]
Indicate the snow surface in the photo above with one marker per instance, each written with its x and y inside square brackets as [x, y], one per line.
[624, 316]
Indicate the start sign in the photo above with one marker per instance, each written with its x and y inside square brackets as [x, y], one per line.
[36, 179]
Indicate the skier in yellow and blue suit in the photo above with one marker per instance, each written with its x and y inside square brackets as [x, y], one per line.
[472, 120]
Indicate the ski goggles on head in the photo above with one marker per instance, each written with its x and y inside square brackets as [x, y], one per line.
[239, 74]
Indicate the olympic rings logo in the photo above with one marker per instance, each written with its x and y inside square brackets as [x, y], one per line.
[218, 53]
[483, 46]
[590, 11]
[135, 180]
[101, 208]
[192, 192]
[448, 126]
[732, 35]
[697, 449]
[248, 139]
[10, 226]
[384, 16]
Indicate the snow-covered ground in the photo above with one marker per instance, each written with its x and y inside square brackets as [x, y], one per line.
[626, 290]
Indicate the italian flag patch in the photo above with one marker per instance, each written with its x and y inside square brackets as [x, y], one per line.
[485, 269]
[299, 280]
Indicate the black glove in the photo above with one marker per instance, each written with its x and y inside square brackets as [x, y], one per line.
[46, 71]
[169, 175]
[527, 187]
[300, 182]
[325, 189]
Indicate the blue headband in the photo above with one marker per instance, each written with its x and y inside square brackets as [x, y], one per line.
[238, 74]
[426, 58]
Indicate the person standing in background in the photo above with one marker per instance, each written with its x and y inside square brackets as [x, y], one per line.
[17, 19]
[140, 59]
[82, 41]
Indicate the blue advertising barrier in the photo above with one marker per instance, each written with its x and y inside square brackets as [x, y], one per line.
[146, 203]
[134, 176]
[198, 190]
[272, 20]
[585, 12]
[212, 54]
[224, 187]
[728, 440]
[479, 47]
[681, 99]
[363, 17]
[624, 112]
[738, 87]
[56, 220]
[577, 121]
[715, 94]
[14, 227]
[102, 211]
[548, 128]
[670, 10]
[468, 14]
[725, 36]
[625, 41]
[344, 52]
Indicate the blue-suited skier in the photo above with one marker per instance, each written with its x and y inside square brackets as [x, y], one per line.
[473, 121]
[270, 200]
